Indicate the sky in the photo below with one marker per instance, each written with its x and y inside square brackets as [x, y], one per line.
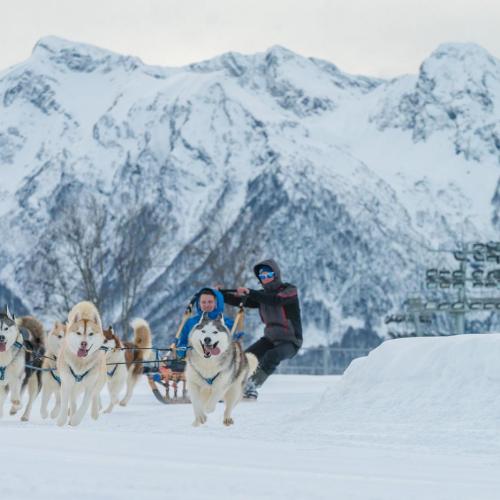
[382, 38]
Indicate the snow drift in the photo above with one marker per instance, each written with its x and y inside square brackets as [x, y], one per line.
[438, 391]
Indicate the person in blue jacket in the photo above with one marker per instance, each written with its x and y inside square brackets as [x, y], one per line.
[207, 300]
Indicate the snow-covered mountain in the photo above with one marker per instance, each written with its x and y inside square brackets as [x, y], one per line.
[349, 182]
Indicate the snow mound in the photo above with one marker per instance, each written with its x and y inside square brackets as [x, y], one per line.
[447, 379]
[423, 393]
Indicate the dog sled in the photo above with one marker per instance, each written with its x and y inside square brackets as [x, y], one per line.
[166, 375]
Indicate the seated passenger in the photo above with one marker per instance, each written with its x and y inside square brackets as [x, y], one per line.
[207, 300]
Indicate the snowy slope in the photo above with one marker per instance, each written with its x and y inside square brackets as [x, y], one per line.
[417, 418]
[348, 181]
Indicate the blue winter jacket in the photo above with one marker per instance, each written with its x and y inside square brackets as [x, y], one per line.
[182, 341]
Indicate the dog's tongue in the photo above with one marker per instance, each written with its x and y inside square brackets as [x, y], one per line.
[82, 352]
[3, 345]
[214, 351]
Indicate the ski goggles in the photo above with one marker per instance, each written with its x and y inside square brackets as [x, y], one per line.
[266, 275]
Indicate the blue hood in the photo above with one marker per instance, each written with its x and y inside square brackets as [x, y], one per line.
[219, 301]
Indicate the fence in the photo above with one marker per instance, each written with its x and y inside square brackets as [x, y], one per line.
[324, 360]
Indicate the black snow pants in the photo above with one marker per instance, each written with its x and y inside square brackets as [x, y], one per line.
[271, 355]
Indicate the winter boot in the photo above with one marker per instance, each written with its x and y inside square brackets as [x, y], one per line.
[250, 390]
[253, 383]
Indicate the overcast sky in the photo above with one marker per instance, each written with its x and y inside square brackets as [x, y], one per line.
[370, 37]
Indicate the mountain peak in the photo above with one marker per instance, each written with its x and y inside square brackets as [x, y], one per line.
[456, 61]
[80, 57]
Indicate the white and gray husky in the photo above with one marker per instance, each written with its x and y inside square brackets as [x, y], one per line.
[12, 361]
[217, 368]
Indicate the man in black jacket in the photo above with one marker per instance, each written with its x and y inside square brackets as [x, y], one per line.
[279, 309]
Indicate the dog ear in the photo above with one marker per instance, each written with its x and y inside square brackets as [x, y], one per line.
[8, 313]
[203, 320]
[76, 319]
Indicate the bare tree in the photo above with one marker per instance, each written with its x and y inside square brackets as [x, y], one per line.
[82, 231]
[137, 238]
[88, 255]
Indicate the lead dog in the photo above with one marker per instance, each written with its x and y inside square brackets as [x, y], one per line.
[217, 368]
[81, 364]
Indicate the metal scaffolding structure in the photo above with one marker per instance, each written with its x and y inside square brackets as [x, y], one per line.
[471, 286]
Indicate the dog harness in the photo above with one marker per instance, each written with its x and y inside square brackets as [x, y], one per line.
[209, 381]
[55, 376]
[79, 378]
[112, 372]
[18, 345]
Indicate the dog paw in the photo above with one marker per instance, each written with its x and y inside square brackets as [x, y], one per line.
[24, 418]
[75, 420]
[54, 413]
[123, 402]
[13, 411]
[228, 421]
[200, 419]
[61, 422]
[45, 414]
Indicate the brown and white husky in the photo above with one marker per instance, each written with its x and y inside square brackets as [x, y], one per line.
[34, 347]
[116, 367]
[81, 364]
[51, 382]
[137, 351]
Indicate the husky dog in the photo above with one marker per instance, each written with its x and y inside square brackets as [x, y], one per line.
[136, 352]
[116, 373]
[81, 363]
[51, 382]
[34, 342]
[12, 361]
[217, 368]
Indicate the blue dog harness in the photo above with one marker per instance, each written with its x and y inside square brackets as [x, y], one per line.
[18, 346]
[79, 378]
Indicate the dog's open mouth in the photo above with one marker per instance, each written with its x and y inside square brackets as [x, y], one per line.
[3, 346]
[210, 349]
[82, 352]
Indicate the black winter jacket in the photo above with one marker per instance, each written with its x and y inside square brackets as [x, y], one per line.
[278, 305]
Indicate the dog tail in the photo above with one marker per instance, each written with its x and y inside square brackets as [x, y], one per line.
[142, 341]
[35, 329]
[253, 362]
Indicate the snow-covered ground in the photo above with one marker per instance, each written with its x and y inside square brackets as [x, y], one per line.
[416, 419]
